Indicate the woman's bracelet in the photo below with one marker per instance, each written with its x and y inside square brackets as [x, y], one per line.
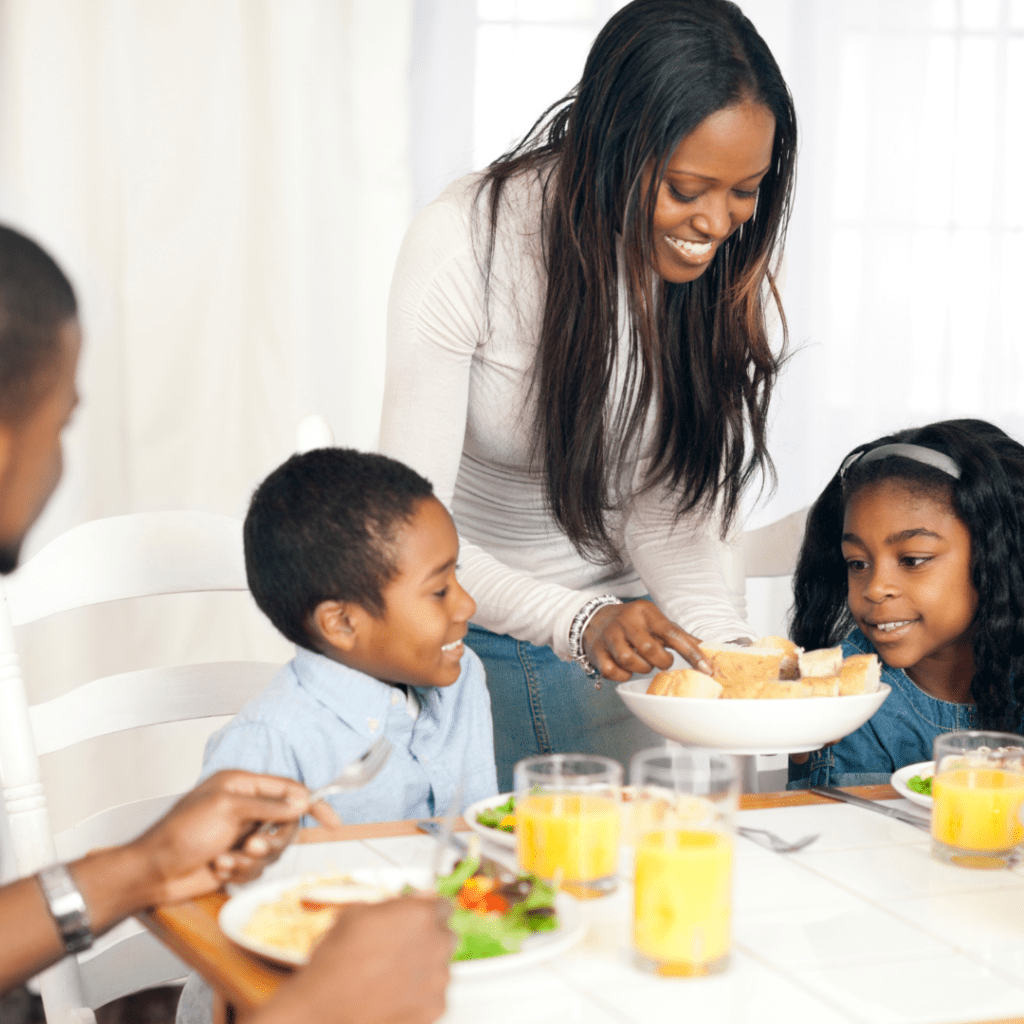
[579, 624]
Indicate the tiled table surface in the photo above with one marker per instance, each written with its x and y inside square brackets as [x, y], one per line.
[862, 926]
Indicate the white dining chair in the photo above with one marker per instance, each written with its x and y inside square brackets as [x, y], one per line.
[123, 557]
[768, 552]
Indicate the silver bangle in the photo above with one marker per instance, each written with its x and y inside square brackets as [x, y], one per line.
[579, 624]
[66, 906]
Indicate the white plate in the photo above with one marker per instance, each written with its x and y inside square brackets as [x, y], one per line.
[495, 835]
[235, 914]
[751, 726]
[899, 782]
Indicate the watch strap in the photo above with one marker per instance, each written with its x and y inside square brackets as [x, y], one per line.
[67, 907]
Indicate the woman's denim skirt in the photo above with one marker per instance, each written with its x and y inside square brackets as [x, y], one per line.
[542, 705]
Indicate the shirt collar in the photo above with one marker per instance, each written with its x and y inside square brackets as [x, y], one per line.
[359, 700]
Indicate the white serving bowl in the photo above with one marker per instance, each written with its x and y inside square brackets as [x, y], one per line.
[751, 726]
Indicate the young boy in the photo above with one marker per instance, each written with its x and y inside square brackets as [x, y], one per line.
[352, 557]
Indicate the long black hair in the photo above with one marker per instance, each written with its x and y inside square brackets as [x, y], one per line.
[988, 498]
[699, 354]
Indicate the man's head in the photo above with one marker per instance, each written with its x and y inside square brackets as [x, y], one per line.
[39, 344]
[351, 555]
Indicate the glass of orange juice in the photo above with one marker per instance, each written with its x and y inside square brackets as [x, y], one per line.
[683, 813]
[567, 821]
[977, 794]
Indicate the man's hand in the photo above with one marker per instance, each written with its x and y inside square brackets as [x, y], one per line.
[622, 639]
[384, 962]
[206, 839]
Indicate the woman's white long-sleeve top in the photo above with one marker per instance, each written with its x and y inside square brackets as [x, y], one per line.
[459, 408]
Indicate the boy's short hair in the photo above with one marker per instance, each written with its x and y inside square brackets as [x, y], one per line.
[36, 299]
[322, 527]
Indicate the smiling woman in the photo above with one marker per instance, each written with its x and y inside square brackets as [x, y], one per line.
[577, 359]
[710, 188]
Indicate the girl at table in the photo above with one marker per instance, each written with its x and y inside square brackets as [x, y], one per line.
[578, 361]
[915, 551]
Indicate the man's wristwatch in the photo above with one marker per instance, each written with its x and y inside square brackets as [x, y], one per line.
[67, 907]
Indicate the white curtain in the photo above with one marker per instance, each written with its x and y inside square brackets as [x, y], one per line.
[226, 182]
[907, 244]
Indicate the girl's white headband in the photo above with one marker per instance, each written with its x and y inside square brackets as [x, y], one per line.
[907, 451]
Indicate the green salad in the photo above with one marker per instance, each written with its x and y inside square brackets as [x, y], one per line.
[492, 917]
[920, 785]
[502, 816]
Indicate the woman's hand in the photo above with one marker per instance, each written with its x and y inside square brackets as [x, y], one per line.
[623, 639]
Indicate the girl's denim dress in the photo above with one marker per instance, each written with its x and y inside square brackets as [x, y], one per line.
[899, 733]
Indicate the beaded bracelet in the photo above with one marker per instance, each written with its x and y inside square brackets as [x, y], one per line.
[579, 624]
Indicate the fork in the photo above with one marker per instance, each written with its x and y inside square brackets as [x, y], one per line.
[362, 770]
[770, 841]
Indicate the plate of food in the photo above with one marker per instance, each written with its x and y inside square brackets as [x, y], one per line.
[914, 782]
[494, 818]
[770, 697]
[502, 926]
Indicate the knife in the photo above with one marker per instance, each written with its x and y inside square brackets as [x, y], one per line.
[873, 805]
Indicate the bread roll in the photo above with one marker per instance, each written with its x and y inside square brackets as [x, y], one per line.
[860, 673]
[824, 686]
[742, 671]
[684, 682]
[824, 662]
[789, 668]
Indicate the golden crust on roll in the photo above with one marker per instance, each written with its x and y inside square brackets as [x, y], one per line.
[789, 668]
[860, 673]
[685, 682]
[824, 686]
[742, 671]
[759, 672]
[824, 662]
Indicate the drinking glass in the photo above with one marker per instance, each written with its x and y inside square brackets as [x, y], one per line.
[977, 793]
[567, 821]
[683, 815]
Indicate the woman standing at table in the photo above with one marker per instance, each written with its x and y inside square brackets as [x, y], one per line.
[578, 360]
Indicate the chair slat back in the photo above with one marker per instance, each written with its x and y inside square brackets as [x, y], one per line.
[123, 557]
[112, 559]
[773, 549]
[770, 551]
[103, 828]
[147, 697]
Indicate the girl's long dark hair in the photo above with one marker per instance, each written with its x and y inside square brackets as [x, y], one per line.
[698, 354]
[989, 499]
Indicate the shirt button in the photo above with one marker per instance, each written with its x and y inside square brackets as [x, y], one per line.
[373, 724]
[396, 698]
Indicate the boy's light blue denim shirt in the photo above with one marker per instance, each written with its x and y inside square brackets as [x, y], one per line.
[318, 715]
[899, 733]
